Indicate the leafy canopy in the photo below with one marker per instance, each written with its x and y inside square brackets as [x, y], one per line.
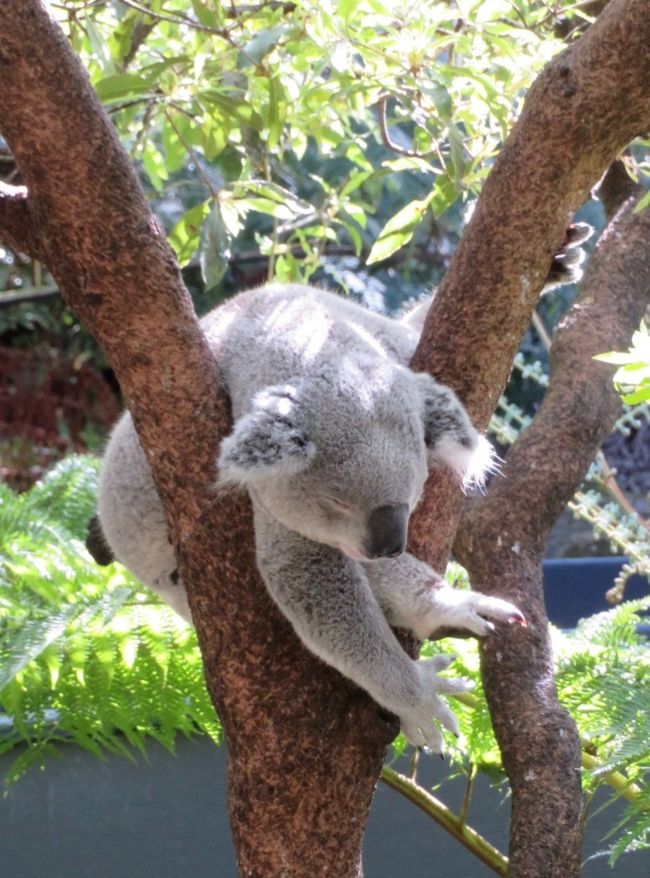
[310, 113]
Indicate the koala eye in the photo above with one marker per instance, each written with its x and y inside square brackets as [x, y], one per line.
[336, 503]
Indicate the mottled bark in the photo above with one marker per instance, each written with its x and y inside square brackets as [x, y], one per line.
[583, 109]
[305, 747]
[501, 542]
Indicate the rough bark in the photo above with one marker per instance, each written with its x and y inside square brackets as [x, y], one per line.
[583, 109]
[296, 731]
[501, 542]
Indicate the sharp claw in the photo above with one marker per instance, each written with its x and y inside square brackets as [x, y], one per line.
[518, 619]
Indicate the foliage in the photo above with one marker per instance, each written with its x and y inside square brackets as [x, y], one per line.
[632, 378]
[86, 654]
[310, 114]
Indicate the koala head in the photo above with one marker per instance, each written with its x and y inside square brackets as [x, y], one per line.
[342, 458]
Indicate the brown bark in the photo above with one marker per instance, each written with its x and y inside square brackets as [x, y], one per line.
[583, 109]
[501, 542]
[296, 731]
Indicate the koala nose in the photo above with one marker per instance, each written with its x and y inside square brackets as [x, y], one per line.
[387, 528]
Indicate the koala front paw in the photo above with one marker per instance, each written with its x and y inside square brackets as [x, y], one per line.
[473, 611]
[418, 723]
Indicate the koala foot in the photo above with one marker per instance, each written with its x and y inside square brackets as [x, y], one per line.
[473, 611]
[418, 723]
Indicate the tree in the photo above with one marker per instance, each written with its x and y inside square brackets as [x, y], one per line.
[83, 214]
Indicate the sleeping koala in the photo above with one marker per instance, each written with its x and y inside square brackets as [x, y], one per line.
[333, 438]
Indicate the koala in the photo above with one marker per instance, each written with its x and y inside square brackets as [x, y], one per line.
[333, 438]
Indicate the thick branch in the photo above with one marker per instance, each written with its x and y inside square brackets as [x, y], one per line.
[297, 732]
[586, 105]
[502, 537]
[549, 460]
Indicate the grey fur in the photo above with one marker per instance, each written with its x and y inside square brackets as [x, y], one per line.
[333, 439]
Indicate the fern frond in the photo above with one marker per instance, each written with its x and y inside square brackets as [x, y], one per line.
[87, 655]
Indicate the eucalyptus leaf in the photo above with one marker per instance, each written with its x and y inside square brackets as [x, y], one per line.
[399, 230]
[214, 252]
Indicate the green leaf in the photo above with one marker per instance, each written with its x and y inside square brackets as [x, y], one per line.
[233, 109]
[120, 86]
[346, 8]
[261, 44]
[207, 15]
[275, 118]
[643, 203]
[154, 165]
[185, 236]
[617, 358]
[399, 230]
[214, 252]
[445, 194]
[31, 640]
[457, 151]
[410, 163]
[641, 394]
[272, 199]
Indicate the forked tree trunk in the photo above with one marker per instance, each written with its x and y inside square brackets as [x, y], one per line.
[304, 746]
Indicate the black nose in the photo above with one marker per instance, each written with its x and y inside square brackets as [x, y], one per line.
[387, 528]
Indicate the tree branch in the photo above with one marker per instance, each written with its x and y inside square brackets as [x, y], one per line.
[293, 808]
[583, 109]
[501, 542]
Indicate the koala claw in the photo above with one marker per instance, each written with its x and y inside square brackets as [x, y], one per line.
[475, 612]
[497, 609]
[418, 723]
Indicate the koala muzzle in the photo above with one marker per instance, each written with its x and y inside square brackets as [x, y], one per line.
[387, 530]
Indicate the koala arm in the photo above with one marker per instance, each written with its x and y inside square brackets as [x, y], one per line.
[413, 595]
[327, 598]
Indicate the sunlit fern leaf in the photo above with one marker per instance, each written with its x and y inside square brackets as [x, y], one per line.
[86, 654]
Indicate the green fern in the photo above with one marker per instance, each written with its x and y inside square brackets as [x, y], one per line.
[86, 654]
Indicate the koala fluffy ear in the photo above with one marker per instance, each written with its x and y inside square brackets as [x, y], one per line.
[450, 436]
[269, 439]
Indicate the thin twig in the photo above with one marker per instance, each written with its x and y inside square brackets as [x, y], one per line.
[468, 837]
[386, 139]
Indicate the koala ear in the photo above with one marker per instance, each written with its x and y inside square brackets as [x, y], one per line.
[270, 439]
[450, 436]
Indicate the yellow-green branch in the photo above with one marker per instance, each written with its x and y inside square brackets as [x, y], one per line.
[454, 824]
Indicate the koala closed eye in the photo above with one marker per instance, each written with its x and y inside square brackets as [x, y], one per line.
[337, 503]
